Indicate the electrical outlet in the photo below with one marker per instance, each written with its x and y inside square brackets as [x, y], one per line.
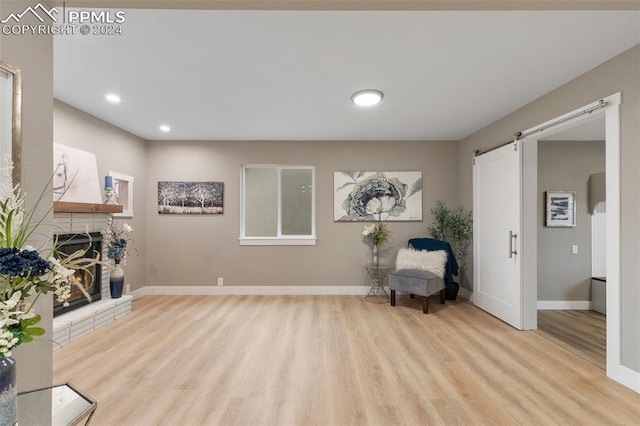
[574, 249]
[127, 289]
[220, 282]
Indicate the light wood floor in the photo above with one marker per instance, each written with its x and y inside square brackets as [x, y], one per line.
[332, 360]
[582, 332]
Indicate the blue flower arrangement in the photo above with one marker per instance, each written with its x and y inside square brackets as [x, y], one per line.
[116, 240]
[22, 263]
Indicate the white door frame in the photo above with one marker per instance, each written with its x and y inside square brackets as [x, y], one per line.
[530, 209]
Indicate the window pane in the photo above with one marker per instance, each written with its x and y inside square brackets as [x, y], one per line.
[260, 202]
[297, 191]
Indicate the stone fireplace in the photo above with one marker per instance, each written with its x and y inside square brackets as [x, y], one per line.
[80, 219]
[91, 279]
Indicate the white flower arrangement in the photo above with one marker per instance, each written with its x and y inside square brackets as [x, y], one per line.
[377, 233]
[26, 274]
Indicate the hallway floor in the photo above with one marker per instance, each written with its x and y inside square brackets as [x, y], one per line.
[582, 332]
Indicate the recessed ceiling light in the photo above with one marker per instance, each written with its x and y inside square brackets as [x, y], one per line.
[165, 128]
[367, 97]
[113, 98]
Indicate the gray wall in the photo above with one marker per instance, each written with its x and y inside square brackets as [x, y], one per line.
[33, 55]
[620, 74]
[196, 250]
[566, 166]
[116, 151]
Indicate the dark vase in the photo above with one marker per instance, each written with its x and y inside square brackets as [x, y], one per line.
[8, 392]
[451, 292]
[116, 281]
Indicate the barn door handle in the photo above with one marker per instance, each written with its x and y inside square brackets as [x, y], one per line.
[512, 238]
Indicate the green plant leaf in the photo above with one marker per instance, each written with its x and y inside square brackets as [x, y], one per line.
[7, 232]
[30, 321]
[35, 331]
[455, 227]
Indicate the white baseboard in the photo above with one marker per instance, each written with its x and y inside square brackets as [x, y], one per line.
[467, 294]
[564, 305]
[575, 305]
[349, 290]
[355, 290]
[139, 292]
[624, 375]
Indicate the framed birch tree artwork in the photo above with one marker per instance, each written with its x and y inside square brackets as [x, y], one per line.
[190, 197]
[377, 196]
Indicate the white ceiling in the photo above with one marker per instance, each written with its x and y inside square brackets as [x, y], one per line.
[289, 75]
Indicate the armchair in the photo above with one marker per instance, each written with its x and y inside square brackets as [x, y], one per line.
[426, 268]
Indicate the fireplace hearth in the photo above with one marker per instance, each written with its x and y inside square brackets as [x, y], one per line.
[91, 279]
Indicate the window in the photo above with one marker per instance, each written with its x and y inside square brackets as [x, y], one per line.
[278, 205]
[123, 188]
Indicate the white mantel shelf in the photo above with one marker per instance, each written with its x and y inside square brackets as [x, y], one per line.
[68, 207]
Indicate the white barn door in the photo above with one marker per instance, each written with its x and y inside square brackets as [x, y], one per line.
[496, 233]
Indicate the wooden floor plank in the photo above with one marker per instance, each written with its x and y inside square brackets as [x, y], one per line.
[583, 332]
[331, 360]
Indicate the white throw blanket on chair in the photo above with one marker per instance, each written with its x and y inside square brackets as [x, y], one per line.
[431, 261]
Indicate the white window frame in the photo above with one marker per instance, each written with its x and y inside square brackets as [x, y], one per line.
[127, 204]
[279, 240]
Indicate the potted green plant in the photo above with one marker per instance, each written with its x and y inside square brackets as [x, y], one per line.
[454, 227]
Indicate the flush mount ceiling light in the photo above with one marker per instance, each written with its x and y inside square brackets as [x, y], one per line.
[113, 98]
[367, 97]
[165, 128]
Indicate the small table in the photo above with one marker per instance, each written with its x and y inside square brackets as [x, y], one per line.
[55, 405]
[378, 275]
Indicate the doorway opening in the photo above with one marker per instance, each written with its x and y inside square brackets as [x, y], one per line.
[531, 217]
[572, 257]
[524, 249]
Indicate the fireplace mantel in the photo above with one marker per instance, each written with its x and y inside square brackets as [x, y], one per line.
[67, 207]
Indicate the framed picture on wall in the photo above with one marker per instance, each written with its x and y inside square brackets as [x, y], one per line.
[377, 196]
[561, 209]
[190, 197]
